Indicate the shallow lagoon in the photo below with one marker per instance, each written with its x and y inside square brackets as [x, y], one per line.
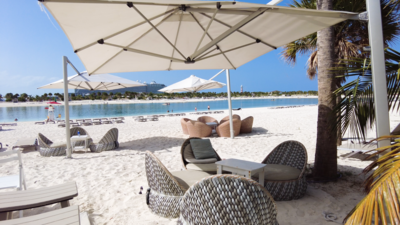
[37, 113]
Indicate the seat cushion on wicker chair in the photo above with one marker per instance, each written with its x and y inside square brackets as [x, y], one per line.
[207, 167]
[58, 144]
[280, 172]
[202, 149]
[187, 178]
[188, 154]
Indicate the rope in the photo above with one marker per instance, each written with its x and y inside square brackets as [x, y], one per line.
[330, 217]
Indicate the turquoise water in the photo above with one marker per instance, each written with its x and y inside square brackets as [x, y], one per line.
[37, 113]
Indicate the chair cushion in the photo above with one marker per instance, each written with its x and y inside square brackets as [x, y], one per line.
[202, 149]
[58, 144]
[280, 172]
[189, 157]
[187, 178]
[206, 167]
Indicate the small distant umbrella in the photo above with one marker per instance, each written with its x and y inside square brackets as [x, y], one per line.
[192, 84]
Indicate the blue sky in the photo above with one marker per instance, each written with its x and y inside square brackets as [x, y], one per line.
[32, 47]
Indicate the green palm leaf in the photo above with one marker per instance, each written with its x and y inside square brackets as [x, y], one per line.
[382, 204]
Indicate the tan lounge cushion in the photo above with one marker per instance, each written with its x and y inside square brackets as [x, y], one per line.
[187, 178]
[58, 144]
[280, 172]
[189, 156]
[206, 167]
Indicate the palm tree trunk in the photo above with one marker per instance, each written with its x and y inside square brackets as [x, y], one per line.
[325, 167]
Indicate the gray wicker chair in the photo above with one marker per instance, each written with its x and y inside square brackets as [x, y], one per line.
[48, 148]
[227, 199]
[167, 189]
[108, 142]
[196, 164]
[293, 154]
[74, 132]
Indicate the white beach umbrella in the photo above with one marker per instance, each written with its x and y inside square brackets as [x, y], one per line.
[106, 82]
[192, 84]
[148, 35]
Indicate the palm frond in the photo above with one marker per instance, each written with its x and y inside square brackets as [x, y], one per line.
[382, 204]
[356, 111]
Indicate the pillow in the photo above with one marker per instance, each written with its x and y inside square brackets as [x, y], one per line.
[202, 149]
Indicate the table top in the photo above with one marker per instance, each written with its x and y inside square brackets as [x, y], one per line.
[82, 137]
[212, 123]
[241, 164]
[25, 142]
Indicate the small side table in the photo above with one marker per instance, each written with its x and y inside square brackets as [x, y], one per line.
[77, 138]
[242, 167]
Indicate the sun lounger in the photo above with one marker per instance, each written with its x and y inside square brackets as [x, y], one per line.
[51, 121]
[104, 119]
[64, 216]
[88, 120]
[79, 120]
[113, 118]
[87, 123]
[121, 118]
[108, 142]
[76, 125]
[28, 199]
[16, 180]
[118, 121]
[106, 122]
[73, 123]
[48, 148]
[39, 123]
[96, 123]
[23, 143]
[60, 121]
[222, 199]
[153, 119]
[61, 125]
[8, 124]
[96, 120]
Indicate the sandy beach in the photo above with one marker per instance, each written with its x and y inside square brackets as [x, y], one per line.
[109, 182]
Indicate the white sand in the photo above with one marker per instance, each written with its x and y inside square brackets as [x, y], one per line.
[108, 182]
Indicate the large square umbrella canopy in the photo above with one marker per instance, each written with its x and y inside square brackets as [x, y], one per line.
[112, 36]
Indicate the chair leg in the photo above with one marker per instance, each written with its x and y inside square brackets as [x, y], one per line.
[5, 216]
[64, 204]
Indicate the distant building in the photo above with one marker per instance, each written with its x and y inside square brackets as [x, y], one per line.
[153, 87]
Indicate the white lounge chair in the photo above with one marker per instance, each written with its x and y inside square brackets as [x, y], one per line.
[13, 181]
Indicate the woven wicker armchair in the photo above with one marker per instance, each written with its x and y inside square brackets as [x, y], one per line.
[108, 142]
[167, 189]
[184, 125]
[189, 162]
[293, 154]
[227, 199]
[223, 130]
[198, 129]
[207, 119]
[226, 118]
[74, 132]
[48, 148]
[247, 125]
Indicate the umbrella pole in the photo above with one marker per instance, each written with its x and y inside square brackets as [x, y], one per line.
[228, 85]
[66, 107]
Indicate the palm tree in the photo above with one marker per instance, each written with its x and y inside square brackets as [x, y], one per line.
[380, 206]
[326, 48]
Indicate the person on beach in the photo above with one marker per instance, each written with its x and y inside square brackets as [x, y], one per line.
[172, 110]
[51, 113]
[167, 111]
[195, 108]
[208, 107]
[16, 119]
